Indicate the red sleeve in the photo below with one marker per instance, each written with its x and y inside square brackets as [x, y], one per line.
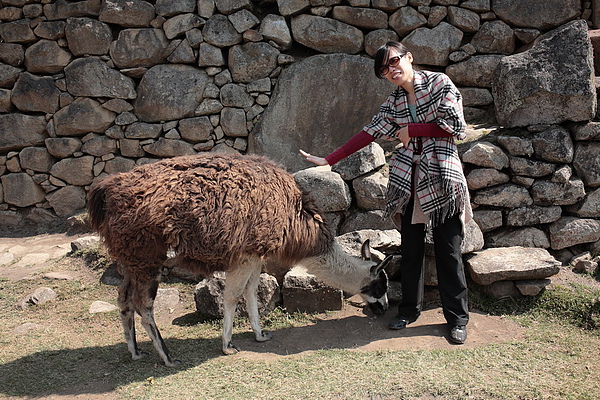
[429, 129]
[356, 142]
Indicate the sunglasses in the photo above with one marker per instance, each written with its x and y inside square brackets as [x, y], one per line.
[392, 62]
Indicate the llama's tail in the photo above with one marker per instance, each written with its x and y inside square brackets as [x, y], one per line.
[95, 206]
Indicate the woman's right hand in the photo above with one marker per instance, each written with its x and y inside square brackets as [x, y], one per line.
[314, 159]
[402, 134]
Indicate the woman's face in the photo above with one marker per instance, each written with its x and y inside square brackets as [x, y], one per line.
[399, 68]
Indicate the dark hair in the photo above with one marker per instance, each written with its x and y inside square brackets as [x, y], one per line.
[383, 55]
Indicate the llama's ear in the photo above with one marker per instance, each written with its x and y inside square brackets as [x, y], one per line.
[365, 250]
[376, 269]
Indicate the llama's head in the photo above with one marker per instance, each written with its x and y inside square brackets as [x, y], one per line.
[375, 291]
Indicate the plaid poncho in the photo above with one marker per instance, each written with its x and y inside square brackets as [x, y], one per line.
[441, 186]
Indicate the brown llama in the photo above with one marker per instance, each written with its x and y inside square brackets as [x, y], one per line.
[218, 212]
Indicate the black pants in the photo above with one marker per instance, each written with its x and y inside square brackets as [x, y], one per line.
[452, 284]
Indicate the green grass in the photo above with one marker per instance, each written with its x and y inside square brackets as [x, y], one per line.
[513, 370]
[76, 353]
[576, 304]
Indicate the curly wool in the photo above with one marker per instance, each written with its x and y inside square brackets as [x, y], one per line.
[214, 211]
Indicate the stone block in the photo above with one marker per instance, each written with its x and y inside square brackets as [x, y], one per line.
[302, 292]
[511, 263]
[208, 295]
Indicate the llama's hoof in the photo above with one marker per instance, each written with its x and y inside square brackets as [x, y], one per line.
[139, 356]
[230, 349]
[264, 336]
[172, 363]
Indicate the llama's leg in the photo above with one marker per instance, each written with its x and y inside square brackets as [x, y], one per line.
[127, 318]
[144, 305]
[252, 305]
[235, 282]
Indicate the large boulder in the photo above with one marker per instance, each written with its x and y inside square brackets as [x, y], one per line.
[67, 200]
[554, 145]
[326, 35]
[91, 77]
[494, 37]
[433, 46]
[252, 61]
[327, 188]
[170, 92]
[405, 20]
[82, 116]
[168, 8]
[208, 295]
[165, 148]
[130, 13]
[220, 32]
[139, 48]
[589, 207]
[20, 190]
[538, 14]
[525, 87]
[62, 9]
[338, 108]
[303, 292]
[361, 17]
[527, 236]
[36, 159]
[365, 160]
[20, 131]
[291, 7]
[586, 161]
[33, 93]
[17, 32]
[46, 57]
[87, 36]
[571, 231]
[8, 75]
[511, 263]
[475, 71]
[75, 171]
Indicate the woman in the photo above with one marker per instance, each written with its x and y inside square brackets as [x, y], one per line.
[427, 185]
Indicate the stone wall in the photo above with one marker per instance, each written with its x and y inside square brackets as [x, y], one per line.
[532, 184]
[89, 88]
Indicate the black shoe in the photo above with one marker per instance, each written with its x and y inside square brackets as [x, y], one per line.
[458, 334]
[400, 322]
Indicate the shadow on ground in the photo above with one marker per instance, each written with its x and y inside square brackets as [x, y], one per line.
[86, 372]
[96, 369]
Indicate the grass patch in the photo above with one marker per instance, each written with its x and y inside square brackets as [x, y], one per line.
[575, 304]
[70, 352]
[507, 371]
[95, 257]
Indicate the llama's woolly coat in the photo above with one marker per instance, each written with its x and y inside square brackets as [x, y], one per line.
[218, 213]
[213, 211]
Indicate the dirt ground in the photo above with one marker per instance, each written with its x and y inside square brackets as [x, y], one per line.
[21, 258]
[350, 328]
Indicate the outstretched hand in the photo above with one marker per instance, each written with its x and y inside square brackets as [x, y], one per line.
[314, 159]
